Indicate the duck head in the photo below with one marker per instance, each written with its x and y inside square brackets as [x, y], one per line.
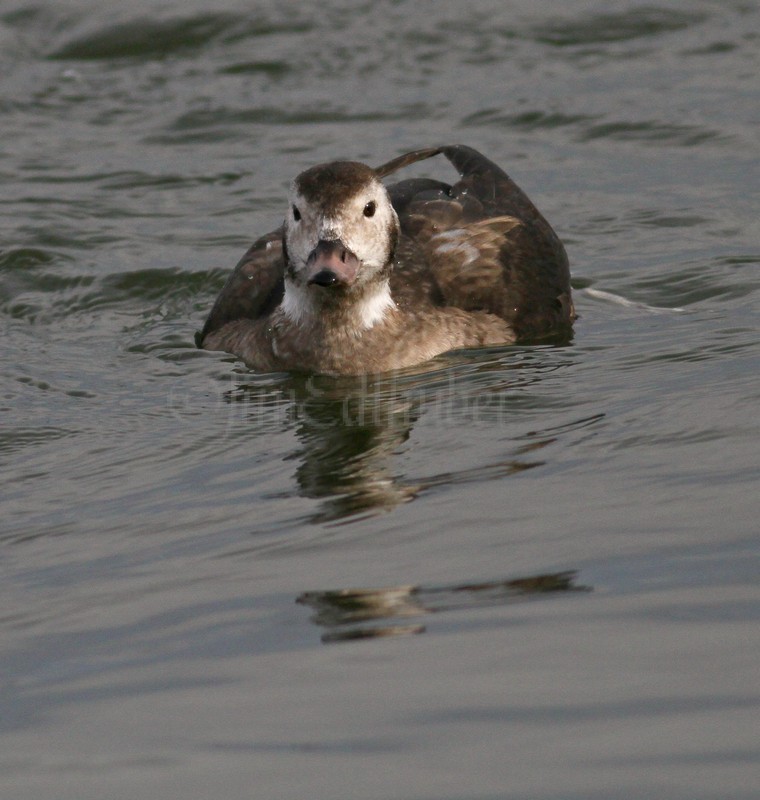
[340, 237]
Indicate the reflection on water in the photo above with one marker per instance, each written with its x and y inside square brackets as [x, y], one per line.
[340, 610]
[351, 428]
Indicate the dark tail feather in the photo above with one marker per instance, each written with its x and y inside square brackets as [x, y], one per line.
[466, 160]
[405, 160]
[470, 162]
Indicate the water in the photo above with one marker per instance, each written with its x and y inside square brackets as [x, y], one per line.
[524, 572]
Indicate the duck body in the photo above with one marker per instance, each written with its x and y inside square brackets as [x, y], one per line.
[361, 278]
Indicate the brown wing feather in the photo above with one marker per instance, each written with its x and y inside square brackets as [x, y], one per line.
[487, 247]
[255, 286]
[468, 263]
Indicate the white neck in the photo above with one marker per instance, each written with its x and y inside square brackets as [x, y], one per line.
[299, 306]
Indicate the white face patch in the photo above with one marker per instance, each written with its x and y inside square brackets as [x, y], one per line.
[369, 236]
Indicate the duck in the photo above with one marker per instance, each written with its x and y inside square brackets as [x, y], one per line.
[366, 278]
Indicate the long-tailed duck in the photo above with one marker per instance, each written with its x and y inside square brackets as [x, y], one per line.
[363, 278]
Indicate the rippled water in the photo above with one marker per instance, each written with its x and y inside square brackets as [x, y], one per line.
[567, 536]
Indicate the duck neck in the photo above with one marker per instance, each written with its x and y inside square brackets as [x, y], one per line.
[314, 306]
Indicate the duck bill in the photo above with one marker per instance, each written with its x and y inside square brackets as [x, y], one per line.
[331, 264]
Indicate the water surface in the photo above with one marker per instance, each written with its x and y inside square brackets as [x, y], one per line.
[559, 545]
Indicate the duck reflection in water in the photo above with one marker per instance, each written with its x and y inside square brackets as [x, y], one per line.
[344, 612]
[351, 430]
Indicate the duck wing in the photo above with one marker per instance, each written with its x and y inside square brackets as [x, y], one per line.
[484, 244]
[255, 287]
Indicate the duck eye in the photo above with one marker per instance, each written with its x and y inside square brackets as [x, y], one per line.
[369, 209]
[296, 214]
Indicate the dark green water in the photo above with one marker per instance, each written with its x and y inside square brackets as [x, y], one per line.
[164, 509]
